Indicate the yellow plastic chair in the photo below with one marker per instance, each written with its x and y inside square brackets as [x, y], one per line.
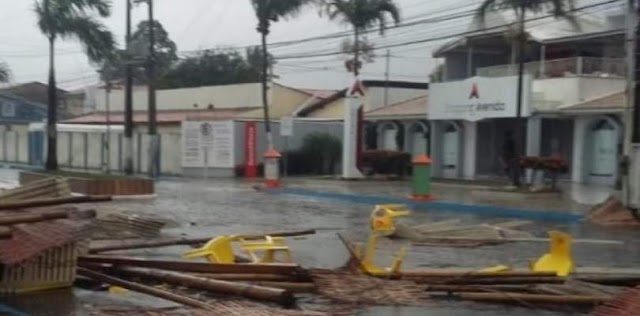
[382, 223]
[558, 259]
[217, 250]
[269, 247]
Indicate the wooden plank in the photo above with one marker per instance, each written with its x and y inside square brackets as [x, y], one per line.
[192, 241]
[187, 301]
[428, 241]
[197, 267]
[531, 298]
[263, 293]
[53, 201]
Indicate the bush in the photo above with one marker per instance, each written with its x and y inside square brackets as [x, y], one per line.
[322, 152]
[386, 162]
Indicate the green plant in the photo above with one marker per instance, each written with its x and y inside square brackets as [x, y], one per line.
[323, 151]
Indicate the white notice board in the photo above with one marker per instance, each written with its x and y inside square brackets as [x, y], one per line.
[215, 138]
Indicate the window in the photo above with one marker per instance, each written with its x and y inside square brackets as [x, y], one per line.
[8, 109]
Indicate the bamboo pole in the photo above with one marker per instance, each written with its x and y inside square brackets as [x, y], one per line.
[197, 267]
[293, 287]
[250, 277]
[54, 201]
[473, 274]
[187, 301]
[428, 241]
[194, 241]
[487, 281]
[532, 298]
[280, 296]
[23, 218]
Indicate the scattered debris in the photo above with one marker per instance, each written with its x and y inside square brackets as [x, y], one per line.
[626, 303]
[53, 187]
[612, 213]
[120, 226]
[40, 202]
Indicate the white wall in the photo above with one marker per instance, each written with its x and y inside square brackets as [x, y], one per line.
[228, 96]
[572, 90]
[375, 96]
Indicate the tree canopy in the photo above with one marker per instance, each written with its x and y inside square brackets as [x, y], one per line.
[165, 54]
[214, 67]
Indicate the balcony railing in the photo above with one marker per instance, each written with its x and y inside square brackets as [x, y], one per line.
[558, 68]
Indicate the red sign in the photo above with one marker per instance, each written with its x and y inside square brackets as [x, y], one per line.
[475, 94]
[250, 158]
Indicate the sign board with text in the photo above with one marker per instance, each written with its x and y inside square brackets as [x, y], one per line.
[479, 98]
[210, 141]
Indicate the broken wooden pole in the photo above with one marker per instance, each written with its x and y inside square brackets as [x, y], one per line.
[530, 298]
[253, 277]
[195, 267]
[192, 241]
[22, 218]
[502, 281]
[54, 201]
[479, 288]
[187, 301]
[409, 274]
[614, 280]
[293, 287]
[280, 296]
[431, 240]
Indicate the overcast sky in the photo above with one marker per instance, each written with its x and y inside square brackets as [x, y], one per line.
[202, 24]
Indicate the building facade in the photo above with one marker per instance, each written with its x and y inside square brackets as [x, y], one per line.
[571, 107]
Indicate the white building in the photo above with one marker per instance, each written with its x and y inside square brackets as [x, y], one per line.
[572, 106]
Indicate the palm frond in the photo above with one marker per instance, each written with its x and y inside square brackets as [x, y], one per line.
[97, 40]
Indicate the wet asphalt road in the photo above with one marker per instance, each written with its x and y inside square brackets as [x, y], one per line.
[207, 208]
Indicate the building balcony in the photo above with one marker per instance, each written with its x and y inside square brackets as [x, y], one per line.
[562, 68]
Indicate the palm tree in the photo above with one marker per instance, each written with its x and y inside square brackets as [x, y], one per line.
[559, 9]
[268, 11]
[5, 73]
[362, 15]
[71, 19]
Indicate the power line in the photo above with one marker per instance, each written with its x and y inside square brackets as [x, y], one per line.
[443, 37]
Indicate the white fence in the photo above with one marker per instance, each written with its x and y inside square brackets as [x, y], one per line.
[88, 150]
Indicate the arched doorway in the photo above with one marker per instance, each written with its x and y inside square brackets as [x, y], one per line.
[601, 153]
[387, 136]
[418, 138]
[451, 166]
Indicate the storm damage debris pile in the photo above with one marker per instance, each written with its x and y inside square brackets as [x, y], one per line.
[53, 187]
[122, 226]
[345, 287]
[452, 233]
[42, 249]
[612, 213]
[626, 303]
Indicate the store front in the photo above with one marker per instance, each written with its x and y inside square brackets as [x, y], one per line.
[471, 120]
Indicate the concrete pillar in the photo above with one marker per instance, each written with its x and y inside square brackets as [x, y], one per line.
[436, 148]
[534, 134]
[469, 146]
[543, 60]
[579, 143]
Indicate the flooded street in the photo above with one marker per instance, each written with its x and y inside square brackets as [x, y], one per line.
[208, 208]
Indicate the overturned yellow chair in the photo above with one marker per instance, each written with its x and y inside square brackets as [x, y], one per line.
[220, 249]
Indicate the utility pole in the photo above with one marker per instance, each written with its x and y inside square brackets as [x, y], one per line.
[154, 142]
[628, 117]
[386, 78]
[128, 99]
[634, 128]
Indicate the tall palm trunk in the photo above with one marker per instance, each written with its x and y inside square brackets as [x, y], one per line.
[265, 88]
[52, 111]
